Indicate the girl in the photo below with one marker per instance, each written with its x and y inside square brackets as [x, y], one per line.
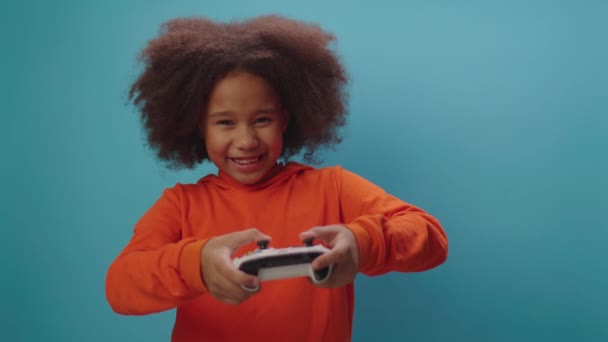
[247, 96]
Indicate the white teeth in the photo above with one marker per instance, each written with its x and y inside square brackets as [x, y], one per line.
[245, 161]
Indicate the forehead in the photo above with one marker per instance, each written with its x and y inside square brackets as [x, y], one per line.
[240, 90]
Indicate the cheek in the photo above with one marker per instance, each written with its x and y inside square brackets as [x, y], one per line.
[277, 140]
[213, 143]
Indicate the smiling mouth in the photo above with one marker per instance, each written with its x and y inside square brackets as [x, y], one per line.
[246, 161]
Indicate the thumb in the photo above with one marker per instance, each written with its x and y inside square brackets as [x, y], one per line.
[239, 239]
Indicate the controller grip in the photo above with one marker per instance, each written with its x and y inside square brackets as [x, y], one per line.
[322, 275]
[250, 289]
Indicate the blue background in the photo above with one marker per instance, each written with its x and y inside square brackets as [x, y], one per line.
[490, 115]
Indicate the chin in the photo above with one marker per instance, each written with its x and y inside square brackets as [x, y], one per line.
[250, 181]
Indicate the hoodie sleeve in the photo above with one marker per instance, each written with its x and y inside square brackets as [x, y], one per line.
[157, 270]
[392, 235]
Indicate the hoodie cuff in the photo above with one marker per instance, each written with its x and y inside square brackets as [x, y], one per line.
[190, 266]
[364, 242]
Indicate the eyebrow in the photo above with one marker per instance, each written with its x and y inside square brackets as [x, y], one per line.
[269, 110]
[222, 113]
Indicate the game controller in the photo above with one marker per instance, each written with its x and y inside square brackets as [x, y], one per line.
[291, 262]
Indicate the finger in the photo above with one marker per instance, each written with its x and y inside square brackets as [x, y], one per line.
[237, 277]
[232, 296]
[334, 256]
[244, 237]
[326, 233]
[231, 292]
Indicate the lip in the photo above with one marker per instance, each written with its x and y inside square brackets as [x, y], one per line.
[251, 167]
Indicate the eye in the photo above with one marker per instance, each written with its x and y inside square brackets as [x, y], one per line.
[263, 119]
[224, 122]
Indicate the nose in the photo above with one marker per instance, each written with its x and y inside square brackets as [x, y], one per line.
[247, 139]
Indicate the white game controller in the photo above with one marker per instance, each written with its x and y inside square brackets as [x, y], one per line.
[291, 262]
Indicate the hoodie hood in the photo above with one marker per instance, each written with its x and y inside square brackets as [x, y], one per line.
[276, 175]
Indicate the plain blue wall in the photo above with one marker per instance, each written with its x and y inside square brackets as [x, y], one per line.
[491, 115]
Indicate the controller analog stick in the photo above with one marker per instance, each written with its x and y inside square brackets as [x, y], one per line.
[263, 244]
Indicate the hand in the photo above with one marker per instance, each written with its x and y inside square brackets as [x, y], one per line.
[344, 254]
[222, 278]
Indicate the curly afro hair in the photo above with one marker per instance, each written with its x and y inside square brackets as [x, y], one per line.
[190, 55]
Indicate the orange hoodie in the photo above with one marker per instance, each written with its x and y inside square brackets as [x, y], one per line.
[160, 267]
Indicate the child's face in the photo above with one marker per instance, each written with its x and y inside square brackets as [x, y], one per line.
[243, 127]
